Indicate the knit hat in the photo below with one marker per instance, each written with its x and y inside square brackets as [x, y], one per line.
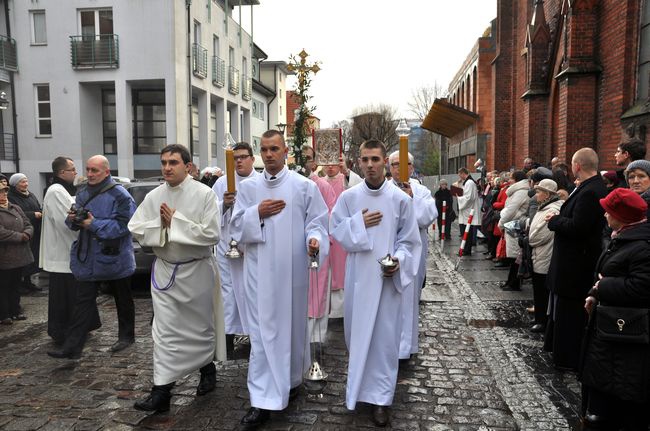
[611, 177]
[541, 173]
[16, 178]
[625, 205]
[547, 185]
[644, 165]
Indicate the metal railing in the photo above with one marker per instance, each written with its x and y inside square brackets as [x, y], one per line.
[8, 148]
[218, 71]
[247, 88]
[233, 80]
[199, 61]
[8, 54]
[95, 51]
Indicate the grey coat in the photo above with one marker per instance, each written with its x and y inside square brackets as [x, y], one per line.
[14, 252]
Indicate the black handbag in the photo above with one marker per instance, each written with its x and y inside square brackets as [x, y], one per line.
[622, 325]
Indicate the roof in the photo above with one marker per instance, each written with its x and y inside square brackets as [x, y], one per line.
[447, 119]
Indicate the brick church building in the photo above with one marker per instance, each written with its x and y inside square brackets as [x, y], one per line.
[547, 78]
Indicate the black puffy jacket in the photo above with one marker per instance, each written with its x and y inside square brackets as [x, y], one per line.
[621, 369]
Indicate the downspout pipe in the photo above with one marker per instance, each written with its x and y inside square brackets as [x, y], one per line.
[13, 95]
[188, 4]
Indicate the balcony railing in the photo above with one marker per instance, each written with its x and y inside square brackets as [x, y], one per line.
[8, 54]
[8, 148]
[233, 80]
[247, 88]
[218, 71]
[199, 61]
[95, 51]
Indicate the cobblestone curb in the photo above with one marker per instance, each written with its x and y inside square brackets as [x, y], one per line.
[530, 405]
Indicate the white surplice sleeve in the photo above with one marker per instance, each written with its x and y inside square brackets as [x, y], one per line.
[347, 229]
[245, 224]
[204, 232]
[408, 247]
[219, 188]
[146, 226]
[424, 206]
[317, 220]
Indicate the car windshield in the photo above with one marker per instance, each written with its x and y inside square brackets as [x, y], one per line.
[140, 191]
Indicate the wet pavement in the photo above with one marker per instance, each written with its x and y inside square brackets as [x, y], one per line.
[479, 368]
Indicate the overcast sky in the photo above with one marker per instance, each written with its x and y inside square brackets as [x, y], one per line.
[372, 51]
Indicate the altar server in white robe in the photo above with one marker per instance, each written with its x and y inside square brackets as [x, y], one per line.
[231, 270]
[180, 221]
[425, 212]
[370, 220]
[281, 218]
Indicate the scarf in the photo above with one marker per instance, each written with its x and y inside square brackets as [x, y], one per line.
[70, 188]
[623, 228]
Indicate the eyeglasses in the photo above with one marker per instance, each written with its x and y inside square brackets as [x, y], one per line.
[5, 191]
[240, 158]
[396, 164]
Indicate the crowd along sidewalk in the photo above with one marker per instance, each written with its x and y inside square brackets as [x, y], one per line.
[478, 369]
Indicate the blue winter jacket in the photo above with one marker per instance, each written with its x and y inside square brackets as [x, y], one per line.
[104, 251]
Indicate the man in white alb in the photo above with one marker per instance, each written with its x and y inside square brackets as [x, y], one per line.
[425, 212]
[281, 219]
[370, 220]
[180, 221]
[231, 270]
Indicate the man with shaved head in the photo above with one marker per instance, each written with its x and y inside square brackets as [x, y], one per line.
[576, 249]
[103, 253]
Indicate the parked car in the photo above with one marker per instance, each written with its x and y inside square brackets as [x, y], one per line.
[138, 189]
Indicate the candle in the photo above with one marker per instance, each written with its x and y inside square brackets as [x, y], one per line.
[230, 170]
[403, 159]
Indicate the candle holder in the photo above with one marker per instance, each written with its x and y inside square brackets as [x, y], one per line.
[233, 252]
[387, 263]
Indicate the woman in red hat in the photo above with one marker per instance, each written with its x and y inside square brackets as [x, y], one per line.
[615, 374]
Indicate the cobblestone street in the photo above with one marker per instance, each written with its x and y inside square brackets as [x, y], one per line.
[479, 368]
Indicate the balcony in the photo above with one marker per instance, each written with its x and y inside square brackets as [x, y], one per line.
[233, 80]
[247, 88]
[99, 51]
[8, 148]
[218, 71]
[8, 54]
[199, 61]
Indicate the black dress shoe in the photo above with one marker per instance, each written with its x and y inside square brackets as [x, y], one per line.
[538, 328]
[157, 401]
[501, 264]
[19, 317]
[63, 354]
[379, 415]
[121, 345]
[254, 418]
[593, 422]
[208, 380]
[510, 287]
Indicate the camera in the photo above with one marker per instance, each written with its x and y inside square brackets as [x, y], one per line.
[80, 214]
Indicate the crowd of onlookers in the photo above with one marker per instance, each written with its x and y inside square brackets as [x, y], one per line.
[582, 237]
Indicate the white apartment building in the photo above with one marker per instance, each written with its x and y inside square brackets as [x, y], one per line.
[123, 78]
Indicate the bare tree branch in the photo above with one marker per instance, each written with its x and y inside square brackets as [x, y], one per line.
[422, 98]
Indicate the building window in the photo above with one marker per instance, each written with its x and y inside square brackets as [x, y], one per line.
[213, 132]
[39, 33]
[43, 110]
[643, 84]
[149, 121]
[108, 122]
[258, 109]
[195, 127]
[93, 22]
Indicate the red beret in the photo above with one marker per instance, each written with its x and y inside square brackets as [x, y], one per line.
[625, 205]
